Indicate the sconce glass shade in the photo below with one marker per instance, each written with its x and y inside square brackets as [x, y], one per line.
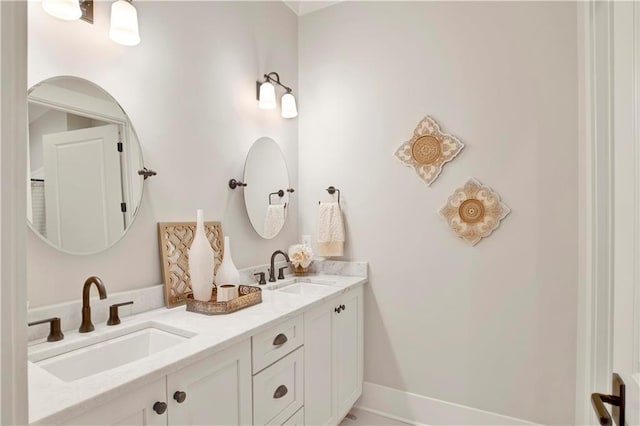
[124, 23]
[69, 10]
[267, 96]
[289, 109]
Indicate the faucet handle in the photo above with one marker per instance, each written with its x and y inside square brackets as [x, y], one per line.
[55, 331]
[114, 319]
[261, 276]
[281, 272]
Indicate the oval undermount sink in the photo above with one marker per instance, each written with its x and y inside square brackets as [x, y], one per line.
[111, 351]
[316, 280]
[306, 289]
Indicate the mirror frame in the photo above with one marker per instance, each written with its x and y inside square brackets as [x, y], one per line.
[135, 205]
[286, 197]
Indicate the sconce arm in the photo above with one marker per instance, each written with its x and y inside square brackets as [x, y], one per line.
[276, 80]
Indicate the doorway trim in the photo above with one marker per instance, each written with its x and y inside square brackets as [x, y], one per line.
[13, 173]
[595, 290]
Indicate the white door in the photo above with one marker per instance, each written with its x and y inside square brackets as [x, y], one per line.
[214, 391]
[83, 188]
[348, 351]
[319, 402]
[141, 407]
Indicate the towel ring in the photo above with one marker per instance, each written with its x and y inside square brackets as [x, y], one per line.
[332, 190]
[279, 193]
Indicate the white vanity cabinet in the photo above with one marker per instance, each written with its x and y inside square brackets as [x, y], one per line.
[305, 369]
[333, 343]
[214, 391]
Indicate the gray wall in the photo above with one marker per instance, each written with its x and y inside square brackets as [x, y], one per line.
[189, 89]
[491, 326]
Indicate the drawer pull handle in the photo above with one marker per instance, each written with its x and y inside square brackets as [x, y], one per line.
[280, 392]
[280, 340]
[344, 308]
[338, 309]
[160, 407]
[180, 396]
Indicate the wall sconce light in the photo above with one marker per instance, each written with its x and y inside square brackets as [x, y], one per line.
[69, 10]
[124, 17]
[124, 23]
[266, 95]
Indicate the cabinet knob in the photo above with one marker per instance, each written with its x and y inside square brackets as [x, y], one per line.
[343, 307]
[280, 392]
[280, 340]
[180, 396]
[338, 309]
[160, 407]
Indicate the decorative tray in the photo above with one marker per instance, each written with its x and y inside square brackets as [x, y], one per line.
[248, 296]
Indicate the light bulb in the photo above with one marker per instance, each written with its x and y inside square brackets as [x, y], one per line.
[289, 109]
[124, 23]
[267, 96]
[69, 10]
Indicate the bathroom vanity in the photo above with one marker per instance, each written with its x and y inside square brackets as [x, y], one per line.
[296, 358]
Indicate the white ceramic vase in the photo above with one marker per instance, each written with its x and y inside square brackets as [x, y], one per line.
[227, 272]
[201, 262]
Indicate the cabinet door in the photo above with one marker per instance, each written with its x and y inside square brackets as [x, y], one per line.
[134, 408]
[348, 351]
[217, 390]
[318, 365]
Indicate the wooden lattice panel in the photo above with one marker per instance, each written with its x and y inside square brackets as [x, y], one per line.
[175, 239]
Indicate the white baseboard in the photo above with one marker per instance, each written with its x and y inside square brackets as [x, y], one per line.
[421, 410]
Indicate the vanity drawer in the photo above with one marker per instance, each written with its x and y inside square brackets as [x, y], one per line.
[296, 420]
[271, 345]
[278, 390]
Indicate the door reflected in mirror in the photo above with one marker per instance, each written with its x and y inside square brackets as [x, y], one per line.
[267, 193]
[83, 188]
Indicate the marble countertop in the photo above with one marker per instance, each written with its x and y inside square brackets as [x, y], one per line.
[52, 400]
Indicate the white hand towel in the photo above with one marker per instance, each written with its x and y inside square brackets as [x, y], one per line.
[330, 230]
[274, 220]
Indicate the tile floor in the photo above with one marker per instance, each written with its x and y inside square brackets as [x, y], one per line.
[357, 417]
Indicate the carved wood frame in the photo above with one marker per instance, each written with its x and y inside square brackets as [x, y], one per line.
[174, 240]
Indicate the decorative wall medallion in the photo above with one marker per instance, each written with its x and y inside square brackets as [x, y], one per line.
[429, 150]
[175, 239]
[474, 211]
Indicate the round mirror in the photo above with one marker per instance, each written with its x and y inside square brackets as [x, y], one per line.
[83, 189]
[267, 192]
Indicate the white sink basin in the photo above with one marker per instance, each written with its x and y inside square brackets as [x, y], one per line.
[315, 280]
[307, 289]
[113, 350]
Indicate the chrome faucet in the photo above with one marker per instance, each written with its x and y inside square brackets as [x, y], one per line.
[272, 270]
[86, 325]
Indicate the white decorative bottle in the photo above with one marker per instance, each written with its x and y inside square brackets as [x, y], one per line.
[201, 262]
[227, 271]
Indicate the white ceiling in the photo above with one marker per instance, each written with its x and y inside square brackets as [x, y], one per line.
[302, 7]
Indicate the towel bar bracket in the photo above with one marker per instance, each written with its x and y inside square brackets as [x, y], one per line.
[233, 184]
[332, 190]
